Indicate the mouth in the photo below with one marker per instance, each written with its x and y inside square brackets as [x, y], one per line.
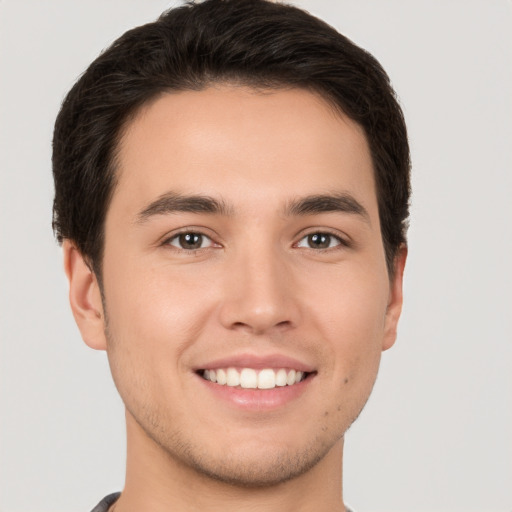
[252, 378]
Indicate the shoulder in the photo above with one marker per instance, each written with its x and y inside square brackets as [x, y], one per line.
[106, 502]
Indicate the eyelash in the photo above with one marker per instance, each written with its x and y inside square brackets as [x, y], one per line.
[177, 236]
[339, 242]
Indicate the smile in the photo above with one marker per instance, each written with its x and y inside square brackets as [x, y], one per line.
[249, 378]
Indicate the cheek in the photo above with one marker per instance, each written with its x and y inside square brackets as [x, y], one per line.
[350, 307]
[351, 318]
[156, 312]
[151, 321]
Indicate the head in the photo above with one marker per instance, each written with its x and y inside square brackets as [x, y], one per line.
[281, 48]
[232, 187]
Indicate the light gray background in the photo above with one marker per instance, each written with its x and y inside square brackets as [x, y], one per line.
[436, 434]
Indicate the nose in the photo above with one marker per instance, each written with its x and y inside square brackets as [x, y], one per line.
[259, 293]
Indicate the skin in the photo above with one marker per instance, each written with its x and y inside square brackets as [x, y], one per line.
[256, 286]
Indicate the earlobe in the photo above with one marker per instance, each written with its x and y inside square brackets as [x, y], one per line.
[395, 301]
[84, 297]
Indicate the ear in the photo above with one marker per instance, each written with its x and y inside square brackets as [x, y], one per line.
[84, 297]
[395, 300]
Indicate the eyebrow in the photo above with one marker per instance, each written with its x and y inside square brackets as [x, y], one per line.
[173, 202]
[326, 203]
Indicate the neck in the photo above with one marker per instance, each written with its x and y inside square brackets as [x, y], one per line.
[157, 482]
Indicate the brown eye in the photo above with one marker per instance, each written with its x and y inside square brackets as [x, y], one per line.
[319, 241]
[190, 241]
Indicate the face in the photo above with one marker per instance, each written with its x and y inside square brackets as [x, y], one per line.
[246, 295]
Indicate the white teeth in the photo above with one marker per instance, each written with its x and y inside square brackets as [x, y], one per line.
[233, 377]
[221, 377]
[248, 378]
[281, 377]
[266, 379]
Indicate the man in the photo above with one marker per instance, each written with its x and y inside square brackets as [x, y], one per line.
[232, 186]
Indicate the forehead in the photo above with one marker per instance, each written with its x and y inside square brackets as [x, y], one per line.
[244, 143]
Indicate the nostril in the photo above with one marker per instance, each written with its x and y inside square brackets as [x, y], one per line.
[257, 327]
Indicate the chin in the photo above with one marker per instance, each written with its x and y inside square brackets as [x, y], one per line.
[254, 461]
[268, 468]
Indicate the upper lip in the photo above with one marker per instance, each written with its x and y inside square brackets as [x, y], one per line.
[258, 362]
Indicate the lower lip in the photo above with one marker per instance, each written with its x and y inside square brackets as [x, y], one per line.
[258, 399]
